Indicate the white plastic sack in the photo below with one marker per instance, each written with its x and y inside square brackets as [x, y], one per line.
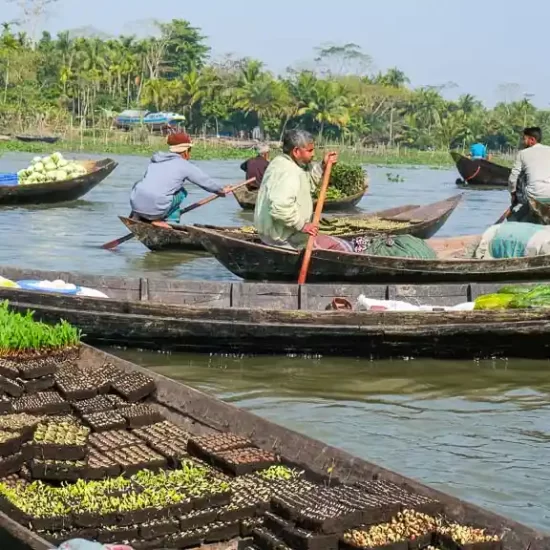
[369, 304]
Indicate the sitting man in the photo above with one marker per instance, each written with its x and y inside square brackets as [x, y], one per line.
[284, 207]
[158, 196]
[478, 151]
[532, 168]
[256, 166]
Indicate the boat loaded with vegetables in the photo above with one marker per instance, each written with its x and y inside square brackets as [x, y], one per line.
[53, 179]
[348, 184]
[93, 447]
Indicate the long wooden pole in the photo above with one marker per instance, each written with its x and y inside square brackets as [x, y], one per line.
[202, 202]
[316, 218]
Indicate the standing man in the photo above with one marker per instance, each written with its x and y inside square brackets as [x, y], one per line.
[158, 196]
[284, 208]
[256, 167]
[533, 167]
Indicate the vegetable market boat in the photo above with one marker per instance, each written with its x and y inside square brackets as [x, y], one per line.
[480, 173]
[224, 474]
[247, 199]
[58, 191]
[43, 139]
[252, 261]
[420, 221]
[276, 318]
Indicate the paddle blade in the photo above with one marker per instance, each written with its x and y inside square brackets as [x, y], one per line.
[113, 244]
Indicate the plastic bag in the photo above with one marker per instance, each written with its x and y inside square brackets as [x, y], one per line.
[6, 283]
[493, 301]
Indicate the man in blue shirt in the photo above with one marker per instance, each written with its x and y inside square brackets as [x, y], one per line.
[478, 151]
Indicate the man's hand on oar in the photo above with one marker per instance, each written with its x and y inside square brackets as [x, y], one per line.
[225, 191]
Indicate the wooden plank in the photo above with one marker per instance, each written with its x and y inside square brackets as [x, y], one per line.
[436, 294]
[316, 297]
[265, 295]
[119, 288]
[195, 293]
[144, 290]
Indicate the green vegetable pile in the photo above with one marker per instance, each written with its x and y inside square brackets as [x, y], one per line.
[22, 333]
[345, 180]
[51, 168]
[516, 297]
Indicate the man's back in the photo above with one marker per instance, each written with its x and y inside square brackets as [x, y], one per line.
[478, 151]
[535, 164]
[255, 168]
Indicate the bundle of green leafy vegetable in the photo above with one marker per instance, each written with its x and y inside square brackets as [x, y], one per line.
[345, 180]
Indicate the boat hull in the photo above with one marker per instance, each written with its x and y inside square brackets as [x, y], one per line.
[480, 173]
[58, 192]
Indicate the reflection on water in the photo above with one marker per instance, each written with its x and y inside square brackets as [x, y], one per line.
[69, 237]
[479, 430]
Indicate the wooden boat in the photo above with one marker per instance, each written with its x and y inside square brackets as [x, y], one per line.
[210, 316]
[253, 261]
[59, 191]
[247, 200]
[480, 173]
[424, 222]
[541, 210]
[43, 139]
[199, 413]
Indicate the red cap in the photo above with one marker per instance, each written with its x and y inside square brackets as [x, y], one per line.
[178, 139]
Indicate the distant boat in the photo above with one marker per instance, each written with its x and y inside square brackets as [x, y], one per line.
[155, 121]
[44, 139]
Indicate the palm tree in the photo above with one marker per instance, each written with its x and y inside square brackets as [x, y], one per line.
[193, 91]
[328, 105]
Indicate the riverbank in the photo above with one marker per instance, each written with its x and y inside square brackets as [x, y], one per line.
[212, 149]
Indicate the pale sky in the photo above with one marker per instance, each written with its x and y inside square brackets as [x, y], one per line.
[477, 45]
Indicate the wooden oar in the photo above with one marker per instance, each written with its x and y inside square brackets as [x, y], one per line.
[316, 220]
[113, 244]
[504, 216]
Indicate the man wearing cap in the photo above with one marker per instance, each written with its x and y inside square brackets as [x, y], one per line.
[158, 196]
[256, 167]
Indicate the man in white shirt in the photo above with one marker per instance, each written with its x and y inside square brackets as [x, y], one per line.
[533, 167]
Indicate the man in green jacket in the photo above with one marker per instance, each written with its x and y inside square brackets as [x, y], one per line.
[284, 208]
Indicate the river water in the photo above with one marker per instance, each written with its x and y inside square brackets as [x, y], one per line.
[479, 430]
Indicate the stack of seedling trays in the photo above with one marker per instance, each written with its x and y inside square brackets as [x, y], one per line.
[231, 453]
[363, 516]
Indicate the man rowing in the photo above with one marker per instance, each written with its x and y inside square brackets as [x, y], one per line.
[256, 166]
[532, 166]
[158, 195]
[284, 207]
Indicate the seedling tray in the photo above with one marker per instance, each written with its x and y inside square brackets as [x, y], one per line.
[329, 524]
[105, 421]
[264, 540]
[58, 537]
[157, 529]
[114, 439]
[36, 368]
[11, 464]
[87, 519]
[11, 387]
[48, 402]
[11, 444]
[418, 543]
[52, 451]
[23, 423]
[141, 415]
[143, 516]
[137, 457]
[231, 513]
[244, 461]
[134, 386]
[247, 526]
[96, 404]
[52, 523]
[208, 445]
[173, 450]
[116, 534]
[220, 531]
[197, 519]
[185, 539]
[39, 384]
[447, 543]
[296, 538]
[54, 470]
[8, 369]
[100, 465]
[76, 388]
[162, 432]
[5, 405]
